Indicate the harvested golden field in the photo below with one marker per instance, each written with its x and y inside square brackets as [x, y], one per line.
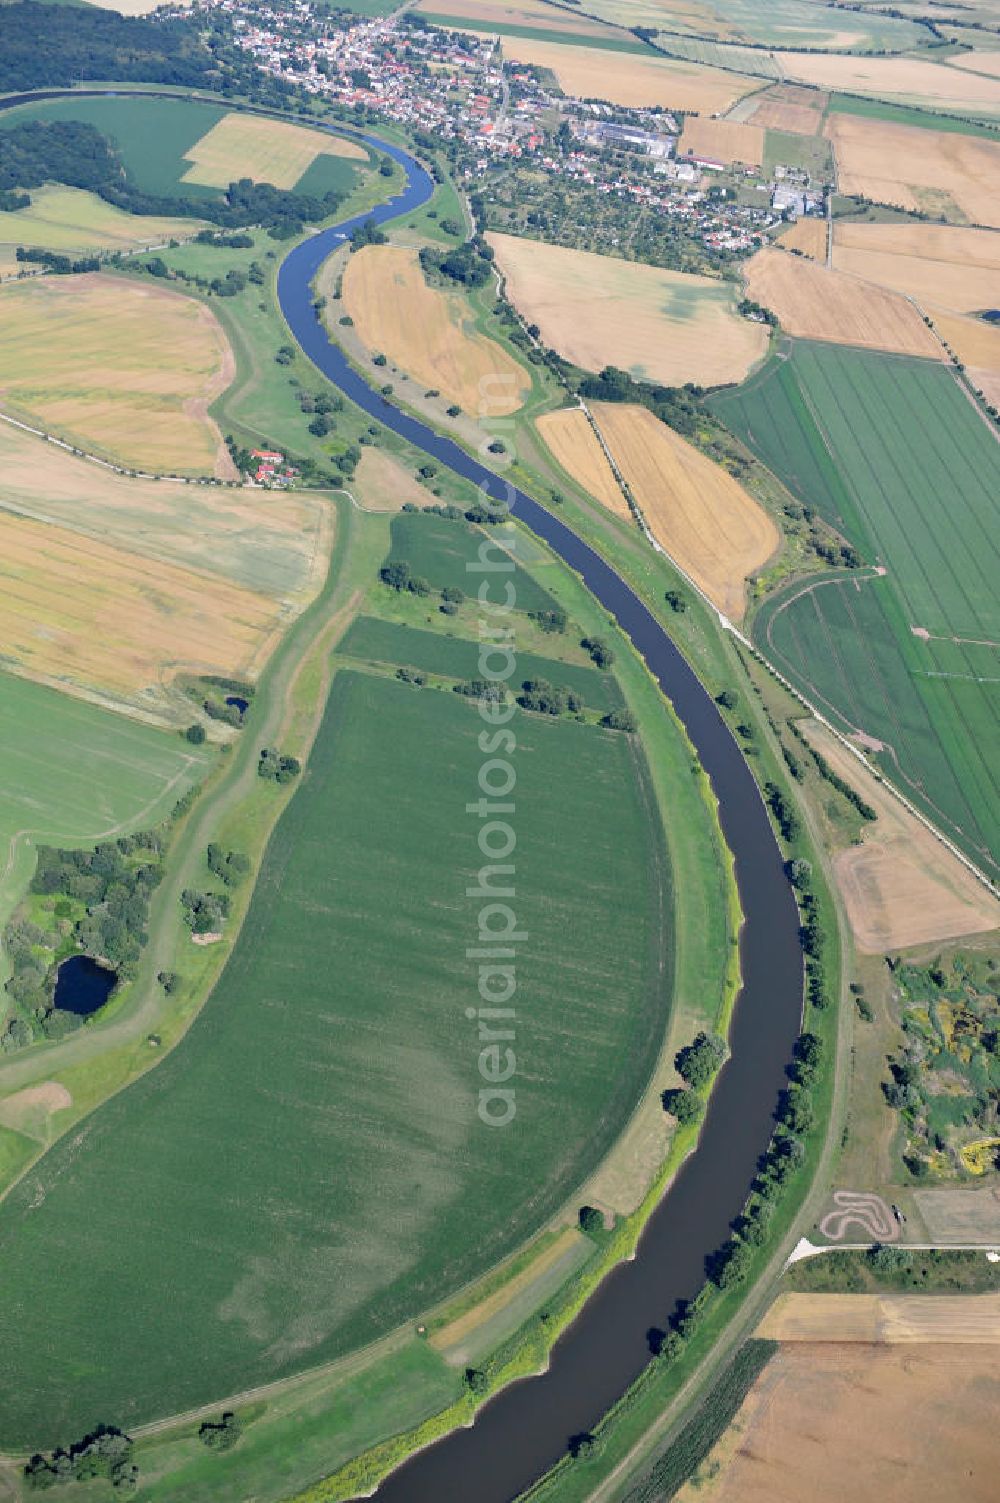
[722, 140]
[705, 520]
[786, 107]
[81, 615]
[901, 886]
[576, 447]
[977, 344]
[68, 219]
[815, 303]
[977, 62]
[938, 171]
[808, 236]
[382, 483]
[892, 1319]
[596, 310]
[899, 80]
[268, 151]
[630, 79]
[877, 1424]
[429, 333]
[960, 1215]
[279, 548]
[117, 367]
[481, 15]
[943, 265]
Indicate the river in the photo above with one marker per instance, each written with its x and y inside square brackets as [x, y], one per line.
[524, 1429]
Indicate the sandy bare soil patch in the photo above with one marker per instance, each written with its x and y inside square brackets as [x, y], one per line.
[482, 14]
[382, 483]
[916, 168]
[79, 614]
[629, 79]
[705, 520]
[29, 1111]
[596, 310]
[576, 447]
[116, 367]
[961, 1215]
[280, 548]
[875, 1424]
[816, 303]
[901, 886]
[722, 140]
[945, 265]
[891, 1319]
[268, 151]
[808, 236]
[428, 332]
[905, 80]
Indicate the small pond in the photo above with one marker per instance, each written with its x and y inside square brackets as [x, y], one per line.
[236, 703]
[82, 986]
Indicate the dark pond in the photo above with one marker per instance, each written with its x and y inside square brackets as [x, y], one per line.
[236, 703]
[82, 986]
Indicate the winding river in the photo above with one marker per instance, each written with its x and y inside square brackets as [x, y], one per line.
[524, 1430]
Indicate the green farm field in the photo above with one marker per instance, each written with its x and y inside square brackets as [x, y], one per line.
[380, 641]
[151, 134]
[440, 550]
[811, 153]
[313, 1056]
[154, 136]
[75, 773]
[894, 454]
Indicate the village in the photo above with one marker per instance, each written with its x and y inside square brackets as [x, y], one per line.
[495, 119]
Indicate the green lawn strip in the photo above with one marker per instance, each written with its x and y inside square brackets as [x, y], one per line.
[458, 658]
[16, 1152]
[292, 1437]
[448, 552]
[901, 114]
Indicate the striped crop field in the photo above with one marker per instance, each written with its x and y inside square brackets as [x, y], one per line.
[894, 453]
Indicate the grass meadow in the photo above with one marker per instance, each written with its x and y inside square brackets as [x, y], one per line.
[307, 1168]
[440, 550]
[379, 641]
[75, 773]
[155, 136]
[892, 452]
